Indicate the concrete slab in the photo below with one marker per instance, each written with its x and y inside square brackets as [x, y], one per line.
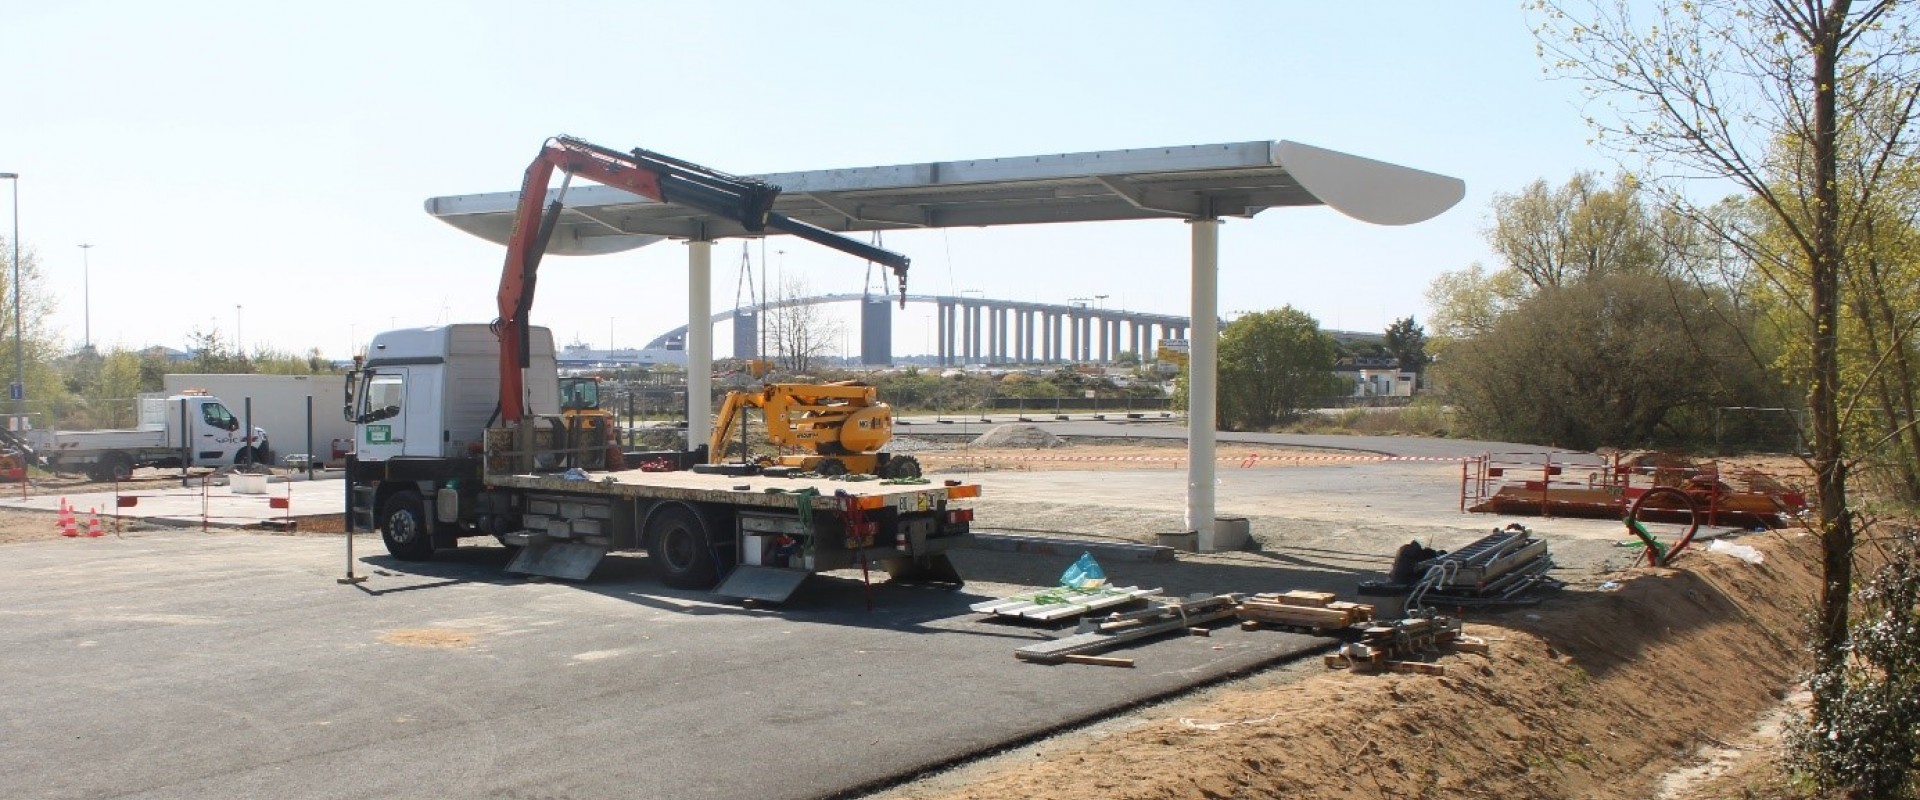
[181, 664]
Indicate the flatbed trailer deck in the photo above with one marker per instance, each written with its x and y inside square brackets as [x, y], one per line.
[777, 530]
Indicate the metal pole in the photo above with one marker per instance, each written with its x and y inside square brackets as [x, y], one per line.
[19, 391]
[699, 342]
[86, 298]
[253, 454]
[1201, 384]
[309, 437]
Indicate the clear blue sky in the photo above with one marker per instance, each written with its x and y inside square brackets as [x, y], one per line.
[275, 156]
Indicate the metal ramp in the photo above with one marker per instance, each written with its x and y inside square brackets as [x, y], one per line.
[766, 584]
[571, 561]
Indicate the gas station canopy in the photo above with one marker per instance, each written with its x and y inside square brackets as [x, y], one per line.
[1186, 182]
[1195, 183]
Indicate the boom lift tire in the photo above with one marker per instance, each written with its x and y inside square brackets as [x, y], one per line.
[677, 543]
[403, 527]
[900, 467]
[831, 467]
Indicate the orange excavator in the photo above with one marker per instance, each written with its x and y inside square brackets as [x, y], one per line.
[745, 201]
[840, 427]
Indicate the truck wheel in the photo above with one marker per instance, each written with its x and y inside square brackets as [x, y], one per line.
[262, 455]
[114, 466]
[677, 542]
[403, 527]
[901, 467]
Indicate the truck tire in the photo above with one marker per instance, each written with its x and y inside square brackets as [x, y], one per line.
[403, 527]
[113, 466]
[677, 544]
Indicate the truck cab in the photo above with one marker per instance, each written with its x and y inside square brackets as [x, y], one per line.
[429, 393]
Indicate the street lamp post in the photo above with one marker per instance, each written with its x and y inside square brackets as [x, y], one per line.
[86, 299]
[19, 389]
[239, 349]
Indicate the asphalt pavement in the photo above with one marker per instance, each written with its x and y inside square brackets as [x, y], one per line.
[182, 664]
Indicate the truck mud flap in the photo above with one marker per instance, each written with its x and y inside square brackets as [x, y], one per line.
[569, 561]
[936, 568]
[766, 584]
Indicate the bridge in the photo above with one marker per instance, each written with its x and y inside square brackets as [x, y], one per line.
[977, 330]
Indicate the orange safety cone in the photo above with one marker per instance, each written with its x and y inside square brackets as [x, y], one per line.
[68, 527]
[93, 524]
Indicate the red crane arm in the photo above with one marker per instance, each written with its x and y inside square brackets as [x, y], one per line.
[746, 201]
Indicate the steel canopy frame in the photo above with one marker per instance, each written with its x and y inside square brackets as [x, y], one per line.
[1199, 184]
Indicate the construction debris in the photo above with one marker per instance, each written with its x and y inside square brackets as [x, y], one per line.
[1387, 646]
[1060, 602]
[1499, 567]
[1318, 611]
[1113, 630]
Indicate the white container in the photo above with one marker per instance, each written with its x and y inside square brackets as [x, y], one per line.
[244, 483]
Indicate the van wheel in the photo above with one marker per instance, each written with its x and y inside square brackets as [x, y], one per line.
[403, 527]
[677, 544]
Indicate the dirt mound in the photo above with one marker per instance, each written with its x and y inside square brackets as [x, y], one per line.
[1019, 436]
[1592, 694]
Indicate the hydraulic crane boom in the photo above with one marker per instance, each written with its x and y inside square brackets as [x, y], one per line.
[746, 201]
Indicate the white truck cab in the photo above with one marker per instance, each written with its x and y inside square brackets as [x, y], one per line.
[430, 392]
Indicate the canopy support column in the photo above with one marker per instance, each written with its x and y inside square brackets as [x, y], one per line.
[699, 341]
[1202, 366]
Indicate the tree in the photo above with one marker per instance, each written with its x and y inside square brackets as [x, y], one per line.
[799, 334]
[1758, 95]
[1614, 360]
[1407, 343]
[1558, 236]
[39, 347]
[1272, 365]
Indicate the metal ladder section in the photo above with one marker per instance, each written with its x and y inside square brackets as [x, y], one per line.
[1501, 564]
[361, 516]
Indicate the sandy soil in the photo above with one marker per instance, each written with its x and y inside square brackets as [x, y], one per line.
[1592, 694]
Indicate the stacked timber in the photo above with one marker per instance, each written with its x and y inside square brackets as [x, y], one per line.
[1387, 646]
[1302, 609]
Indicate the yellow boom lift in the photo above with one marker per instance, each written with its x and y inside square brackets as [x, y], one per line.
[839, 427]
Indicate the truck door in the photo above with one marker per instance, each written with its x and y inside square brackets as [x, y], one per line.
[217, 435]
[386, 397]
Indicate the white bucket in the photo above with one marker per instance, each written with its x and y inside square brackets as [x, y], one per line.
[244, 483]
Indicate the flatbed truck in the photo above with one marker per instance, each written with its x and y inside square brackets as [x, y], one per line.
[429, 472]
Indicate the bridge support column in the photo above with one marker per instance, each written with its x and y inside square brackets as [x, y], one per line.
[876, 331]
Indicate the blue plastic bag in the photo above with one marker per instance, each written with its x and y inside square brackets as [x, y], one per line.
[1084, 574]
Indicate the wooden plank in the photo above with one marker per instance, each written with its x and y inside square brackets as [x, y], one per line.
[1296, 615]
[1476, 648]
[1301, 597]
[1098, 661]
[1415, 667]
